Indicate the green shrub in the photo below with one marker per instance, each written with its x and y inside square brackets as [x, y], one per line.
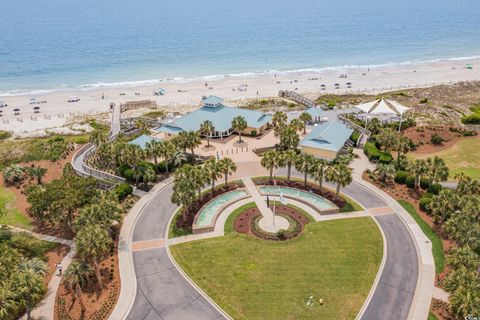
[162, 167]
[29, 245]
[436, 139]
[123, 190]
[424, 100]
[128, 174]
[371, 151]
[5, 233]
[149, 164]
[427, 195]
[410, 182]
[354, 137]
[435, 188]
[424, 204]
[401, 177]
[385, 157]
[424, 183]
[122, 168]
[253, 133]
[471, 119]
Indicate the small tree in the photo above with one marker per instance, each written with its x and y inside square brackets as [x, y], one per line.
[207, 129]
[227, 166]
[167, 151]
[279, 119]
[296, 124]
[153, 149]
[92, 244]
[213, 168]
[270, 160]
[339, 174]
[13, 173]
[75, 278]
[319, 168]
[37, 173]
[239, 124]
[305, 117]
[287, 159]
[386, 172]
[305, 163]
[417, 168]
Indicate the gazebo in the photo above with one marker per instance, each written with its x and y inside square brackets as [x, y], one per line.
[383, 106]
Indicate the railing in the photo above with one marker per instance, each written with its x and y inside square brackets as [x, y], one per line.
[292, 95]
[364, 133]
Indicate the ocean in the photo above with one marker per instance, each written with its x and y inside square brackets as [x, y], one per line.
[58, 44]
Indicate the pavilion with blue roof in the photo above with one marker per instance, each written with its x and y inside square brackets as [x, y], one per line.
[220, 115]
[326, 140]
[142, 141]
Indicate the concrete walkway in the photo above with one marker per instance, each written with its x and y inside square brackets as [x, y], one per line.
[45, 308]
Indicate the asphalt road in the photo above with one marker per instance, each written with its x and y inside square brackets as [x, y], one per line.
[163, 293]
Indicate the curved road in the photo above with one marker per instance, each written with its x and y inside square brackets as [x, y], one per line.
[163, 293]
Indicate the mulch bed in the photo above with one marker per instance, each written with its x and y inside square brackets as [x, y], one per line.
[185, 223]
[338, 201]
[243, 222]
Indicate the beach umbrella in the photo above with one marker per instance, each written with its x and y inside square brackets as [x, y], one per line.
[349, 84]
[323, 86]
[36, 109]
[383, 106]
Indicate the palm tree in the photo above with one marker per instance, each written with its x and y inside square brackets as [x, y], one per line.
[296, 124]
[192, 141]
[318, 170]
[13, 173]
[279, 119]
[239, 124]
[417, 168]
[153, 149]
[101, 213]
[287, 159]
[142, 125]
[196, 175]
[37, 265]
[37, 173]
[387, 139]
[270, 161]
[183, 195]
[443, 205]
[289, 138]
[227, 166]
[305, 117]
[304, 163]
[178, 157]
[339, 174]
[402, 145]
[436, 170]
[29, 288]
[207, 129]
[466, 185]
[75, 278]
[9, 305]
[181, 140]
[465, 302]
[463, 256]
[144, 173]
[92, 244]
[386, 172]
[167, 151]
[214, 171]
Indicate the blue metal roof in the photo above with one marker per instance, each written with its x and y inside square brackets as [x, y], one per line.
[330, 135]
[221, 117]
[212, 100]
[315, 112]
[142, 140]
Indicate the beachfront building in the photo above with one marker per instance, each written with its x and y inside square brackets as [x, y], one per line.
[142, 141]
[326, 140]
[316, 114]
[221, 116]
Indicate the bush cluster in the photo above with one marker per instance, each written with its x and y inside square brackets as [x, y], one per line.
[354, 137]
[401, 177]
[385, 157]
[371, 151]
[410, 182]
[123, 190]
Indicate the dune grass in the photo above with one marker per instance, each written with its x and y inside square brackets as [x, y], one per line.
[437, 245]
[462, 156]
[11, 215]
[250, 278]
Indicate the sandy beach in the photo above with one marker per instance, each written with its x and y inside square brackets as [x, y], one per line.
[182, 95]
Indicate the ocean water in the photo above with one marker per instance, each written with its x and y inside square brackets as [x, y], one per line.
[54, 44]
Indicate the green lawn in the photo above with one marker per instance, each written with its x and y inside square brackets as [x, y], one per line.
[462, 156]
[249, 278]
[12, 216]
[437, 245]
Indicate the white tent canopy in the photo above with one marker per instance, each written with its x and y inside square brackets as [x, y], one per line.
[383, 106]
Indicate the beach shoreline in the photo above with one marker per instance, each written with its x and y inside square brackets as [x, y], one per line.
[183, 95]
